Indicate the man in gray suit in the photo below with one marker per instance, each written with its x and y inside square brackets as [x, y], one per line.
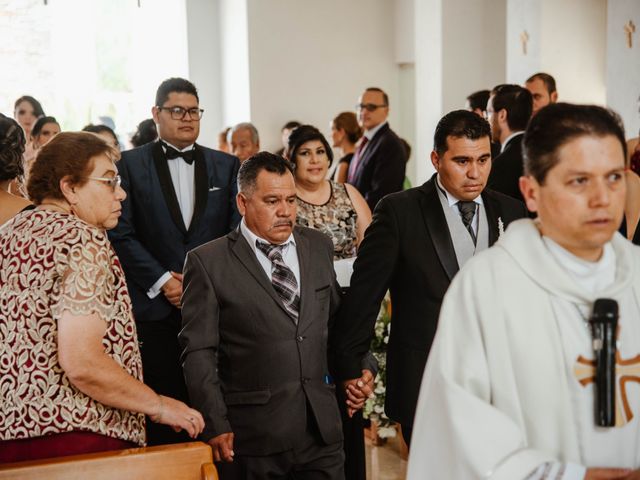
[256, 311]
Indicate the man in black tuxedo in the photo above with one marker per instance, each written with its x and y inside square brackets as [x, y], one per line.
[508, 111]
[417, 242]
[378, 165]
[257, 307]
[179, 195]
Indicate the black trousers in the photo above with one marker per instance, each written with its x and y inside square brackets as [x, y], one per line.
[162, 371]
[407, 430]
[355, 466]
[311, 459]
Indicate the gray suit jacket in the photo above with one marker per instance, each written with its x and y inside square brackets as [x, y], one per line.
[248, 367]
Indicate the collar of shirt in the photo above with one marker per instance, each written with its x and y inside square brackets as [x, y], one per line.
[593, 276]
[185, 149]
[370, 133]
[450, 198]
[252, 237]
[509, 138]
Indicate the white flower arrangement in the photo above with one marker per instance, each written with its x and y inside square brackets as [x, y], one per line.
[374, 407]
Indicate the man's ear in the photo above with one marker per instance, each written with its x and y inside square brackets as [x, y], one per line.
[530, 189]
[502, 115]
[554, 97]
[155, 113]
[68, 190]
[241, 202]
[435, 160]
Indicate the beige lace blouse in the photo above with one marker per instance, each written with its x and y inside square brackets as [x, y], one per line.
[50, 263]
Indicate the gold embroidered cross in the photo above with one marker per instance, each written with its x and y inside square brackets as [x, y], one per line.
[524, 38]
[626, 371]
[629, 30]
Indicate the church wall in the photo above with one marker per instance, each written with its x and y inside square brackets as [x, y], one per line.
[623, 63]
[310, 60]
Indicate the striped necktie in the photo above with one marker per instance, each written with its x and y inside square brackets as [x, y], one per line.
[467, 212]
[282, 278]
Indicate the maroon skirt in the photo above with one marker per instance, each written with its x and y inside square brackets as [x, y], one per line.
[59, 445]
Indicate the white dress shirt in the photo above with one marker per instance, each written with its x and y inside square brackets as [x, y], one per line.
[289, 253]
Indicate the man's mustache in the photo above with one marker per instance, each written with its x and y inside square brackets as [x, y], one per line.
[288, 223]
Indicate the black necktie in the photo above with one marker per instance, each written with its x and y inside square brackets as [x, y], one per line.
[172, 153]
[283, 280]
[467, 212]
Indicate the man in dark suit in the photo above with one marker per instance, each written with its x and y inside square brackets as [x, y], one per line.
[508, 111]
[378, 165]
[179, 195]
[256, 311]
[417, 242]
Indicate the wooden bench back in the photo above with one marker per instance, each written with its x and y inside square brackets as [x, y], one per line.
[185, 461]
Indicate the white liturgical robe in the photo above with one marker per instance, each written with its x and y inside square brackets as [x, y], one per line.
[508, 385]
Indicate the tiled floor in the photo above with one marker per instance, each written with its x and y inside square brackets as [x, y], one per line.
[385, 462]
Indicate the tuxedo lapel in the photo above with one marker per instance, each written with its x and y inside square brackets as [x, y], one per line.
[201, 183]
[164, 176]
[370, 148]
[306, 285]
[247, 257]
[437, 228]
[492, 209]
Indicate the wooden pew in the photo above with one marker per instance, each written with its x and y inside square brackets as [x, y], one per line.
[185, 461]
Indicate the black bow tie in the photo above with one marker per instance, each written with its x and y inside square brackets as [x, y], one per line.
[171, 153]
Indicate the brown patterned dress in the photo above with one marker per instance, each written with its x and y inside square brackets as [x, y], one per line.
[51, 263]
[336, 218]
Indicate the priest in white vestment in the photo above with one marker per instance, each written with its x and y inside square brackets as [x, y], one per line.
[508, 392]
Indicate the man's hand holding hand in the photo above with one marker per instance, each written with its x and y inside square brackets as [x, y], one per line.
[357, 391]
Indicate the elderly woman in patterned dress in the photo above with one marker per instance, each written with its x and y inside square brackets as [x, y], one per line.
[339, 211]
[70, 369]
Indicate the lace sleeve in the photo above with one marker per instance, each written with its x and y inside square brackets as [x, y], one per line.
[86, 283]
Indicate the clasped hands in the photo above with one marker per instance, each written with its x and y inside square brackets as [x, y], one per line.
[357, 391]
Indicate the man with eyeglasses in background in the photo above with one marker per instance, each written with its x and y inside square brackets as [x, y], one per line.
[378, 165]
[179, 196]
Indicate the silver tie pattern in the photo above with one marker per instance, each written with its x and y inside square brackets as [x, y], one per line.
[467, 212]
[282, 278]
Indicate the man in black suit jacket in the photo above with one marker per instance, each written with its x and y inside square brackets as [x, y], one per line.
[417, 242]
[255, 327]
[179, 195]
[508, 111]
[378, 165]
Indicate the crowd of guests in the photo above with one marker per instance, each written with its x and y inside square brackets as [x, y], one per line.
[172, 291]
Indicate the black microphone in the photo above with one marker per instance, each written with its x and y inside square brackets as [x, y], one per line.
[604, 324]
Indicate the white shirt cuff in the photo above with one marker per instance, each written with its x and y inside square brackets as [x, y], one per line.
[155, 289]
[558, 471]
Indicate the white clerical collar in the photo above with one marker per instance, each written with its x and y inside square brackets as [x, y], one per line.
[593, 276]
[509, 138]
[370, 133]
[252, 237]
[450, 198]
[185, 149]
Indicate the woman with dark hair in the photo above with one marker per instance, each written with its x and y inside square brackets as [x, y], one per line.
[339, 211]
[44, 130]
[12, 143]
[106, 133]
[345, 133]
[26, 111]
[146, 132]
[71, 373]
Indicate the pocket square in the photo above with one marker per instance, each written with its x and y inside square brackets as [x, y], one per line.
[213, 189]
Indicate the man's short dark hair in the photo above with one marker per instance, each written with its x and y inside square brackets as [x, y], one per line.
[459, 124]
[290, 125]
[251, 168]
[478, 100]
[548, 80]
[385, 97]
[558, 124]
[179, 85]
[518, 103]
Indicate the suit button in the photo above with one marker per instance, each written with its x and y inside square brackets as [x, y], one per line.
[305, 380]
[300, 338]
